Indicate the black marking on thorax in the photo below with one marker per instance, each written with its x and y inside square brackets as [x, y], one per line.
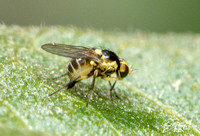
[109, 55]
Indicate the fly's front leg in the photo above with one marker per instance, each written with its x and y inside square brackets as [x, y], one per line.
[92, 89]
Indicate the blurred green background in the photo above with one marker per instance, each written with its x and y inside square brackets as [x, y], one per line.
[127, 15]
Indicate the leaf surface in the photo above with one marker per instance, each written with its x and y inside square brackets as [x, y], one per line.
[162, 96]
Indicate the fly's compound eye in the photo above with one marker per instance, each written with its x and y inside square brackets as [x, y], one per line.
[124, 69]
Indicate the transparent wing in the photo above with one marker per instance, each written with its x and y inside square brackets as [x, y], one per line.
[71, 51]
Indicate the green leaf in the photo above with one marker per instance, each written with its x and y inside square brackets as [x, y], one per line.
[162, 96]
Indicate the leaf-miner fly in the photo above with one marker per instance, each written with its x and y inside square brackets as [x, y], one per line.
[86, 62]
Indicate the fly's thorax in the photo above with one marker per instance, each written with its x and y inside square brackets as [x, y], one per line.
[79, 67]
[109, 64]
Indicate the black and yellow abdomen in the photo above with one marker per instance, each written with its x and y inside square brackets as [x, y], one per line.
[79, 67]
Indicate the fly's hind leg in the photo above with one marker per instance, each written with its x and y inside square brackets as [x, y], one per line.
[92, 89]
[60, 76]
[112, 86]
[69, 85]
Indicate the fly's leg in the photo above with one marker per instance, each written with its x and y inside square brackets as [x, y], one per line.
[60, 76]
[69, 85]
[113, 89]
[110, 83]
[92, 89]
[111, 92]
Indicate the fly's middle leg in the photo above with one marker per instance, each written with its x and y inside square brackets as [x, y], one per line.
[92, 89]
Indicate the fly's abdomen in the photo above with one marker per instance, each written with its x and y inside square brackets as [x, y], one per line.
[79, 67]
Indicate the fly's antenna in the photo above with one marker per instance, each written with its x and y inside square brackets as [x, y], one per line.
[133, 70]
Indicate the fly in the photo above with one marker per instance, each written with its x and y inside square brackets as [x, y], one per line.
[86, 62]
